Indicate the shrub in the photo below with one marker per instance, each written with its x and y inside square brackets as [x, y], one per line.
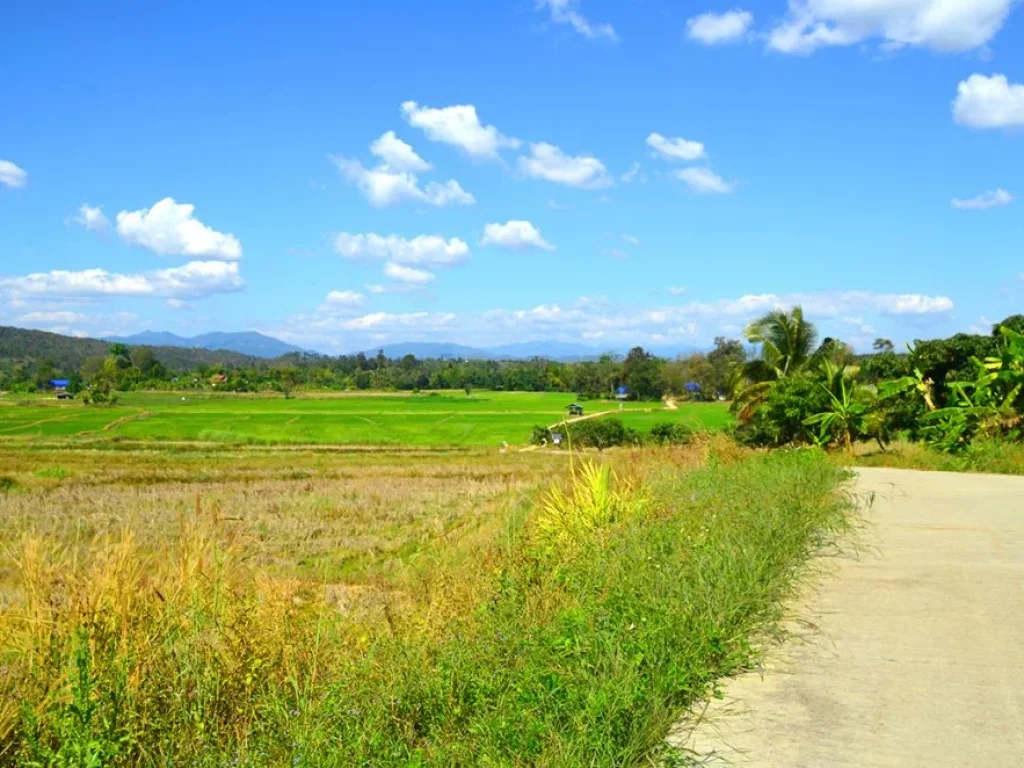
[540, 436]
[601, 433]
[671, 433]
[779, 419]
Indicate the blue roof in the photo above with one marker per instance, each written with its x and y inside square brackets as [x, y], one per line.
[622, 390]
[692, 386]
[59, 382]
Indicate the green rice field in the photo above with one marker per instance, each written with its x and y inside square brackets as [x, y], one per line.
[379, 419]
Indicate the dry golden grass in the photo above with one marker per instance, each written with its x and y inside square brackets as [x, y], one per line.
[265, 608]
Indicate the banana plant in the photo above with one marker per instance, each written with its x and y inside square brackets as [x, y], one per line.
[848, 413]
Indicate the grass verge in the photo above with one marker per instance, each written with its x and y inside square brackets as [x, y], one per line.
[575, 633]
[997, 457]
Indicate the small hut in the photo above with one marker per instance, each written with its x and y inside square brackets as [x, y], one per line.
[575, 409]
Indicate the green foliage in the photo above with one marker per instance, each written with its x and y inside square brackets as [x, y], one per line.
[671, 433]
[601, 433]
[782, 414]
[641, 371]
[846, 417]
[540, 436]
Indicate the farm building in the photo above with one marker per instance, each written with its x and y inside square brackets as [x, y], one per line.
[575, 409]
[58, 385]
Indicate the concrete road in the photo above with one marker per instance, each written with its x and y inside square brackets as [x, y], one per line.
[912, 653]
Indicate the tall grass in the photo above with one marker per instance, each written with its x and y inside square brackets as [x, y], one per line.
[998, 457]
[574, 635]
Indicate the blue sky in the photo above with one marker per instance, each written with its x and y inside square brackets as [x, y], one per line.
[609, 172]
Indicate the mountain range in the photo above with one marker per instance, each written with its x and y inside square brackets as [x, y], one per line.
[248, 343]
[249, 346]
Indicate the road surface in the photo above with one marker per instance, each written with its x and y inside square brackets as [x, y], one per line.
[912, 652]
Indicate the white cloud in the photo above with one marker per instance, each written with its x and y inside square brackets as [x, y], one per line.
[676, 290]
[189, 281]
[422, 250]
[718, 28]
[633, 174]
[91, 218]
[989, 102]
[940, 25]
[615, 326]
[177, 304]
[80, 324]
[397, 155]
[675, 148]
[565, 12]
[384, 187]
[703, 181]
[58, 317]
[460, 127]
[408, 274]
[631, 239]
[992, 199]
[11, 175]
[548, 162]
[170, 229]
[343, 299]
[516, 236]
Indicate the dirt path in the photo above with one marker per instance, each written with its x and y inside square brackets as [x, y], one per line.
[914, 655]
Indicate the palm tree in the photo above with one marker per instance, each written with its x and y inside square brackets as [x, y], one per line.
[788, 343]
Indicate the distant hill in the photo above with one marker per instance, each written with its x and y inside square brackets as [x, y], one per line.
[554, 350]
[426, 349]
[248, 343]
[66, 352]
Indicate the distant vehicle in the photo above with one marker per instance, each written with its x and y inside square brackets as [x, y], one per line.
[64, 395]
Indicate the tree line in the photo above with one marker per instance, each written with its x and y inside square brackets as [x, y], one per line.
[646, 376]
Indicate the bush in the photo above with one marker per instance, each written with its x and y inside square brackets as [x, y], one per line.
[671, 433]
[601, 433]
[540, 436]
[779, 419]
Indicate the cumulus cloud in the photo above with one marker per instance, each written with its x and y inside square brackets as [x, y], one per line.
[590, 319]
[80, 324]
[459, 126]
[992, 199]
[384, 186]
[703, 181]
[567, 12]
[397, 155]
[343, 299]
[631, 239]
[516, 236]
[189, 281]
[171, 229]
[422, 250]
[91, 218]
[718, 28]
[410, 275]
[11, 175]
[940, 25]
[548, 162]
[58, 317]
[989, 102]
[675, 148]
